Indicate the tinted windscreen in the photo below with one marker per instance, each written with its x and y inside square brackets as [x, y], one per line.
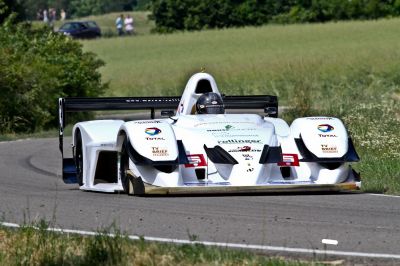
[91, 24]
[67, 26]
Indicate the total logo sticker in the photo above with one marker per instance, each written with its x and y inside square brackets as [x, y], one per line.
[152, 131]
[154, 138]
[325, 128]
[327, 136]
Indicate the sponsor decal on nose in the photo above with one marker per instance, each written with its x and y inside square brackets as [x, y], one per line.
[157, 151]
[245, 148]
[152, 131]
[227, 127]
[195, 160]
[325, 128]
[238, 141]
[247, 157]
[289, 159]
[326, 148]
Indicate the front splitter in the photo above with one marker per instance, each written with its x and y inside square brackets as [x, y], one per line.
[342, 187]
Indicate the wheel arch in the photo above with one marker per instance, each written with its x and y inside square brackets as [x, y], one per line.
[78, 129]
[122, 134]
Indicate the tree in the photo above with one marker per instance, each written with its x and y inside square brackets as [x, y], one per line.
[8, 7]
[37, 67]
[79, 8]
[170, 15]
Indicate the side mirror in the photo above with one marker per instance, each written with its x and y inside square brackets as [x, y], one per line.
[271, 111]
[167, 113]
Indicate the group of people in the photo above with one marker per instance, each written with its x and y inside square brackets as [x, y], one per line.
[124, 25]
[50, 16]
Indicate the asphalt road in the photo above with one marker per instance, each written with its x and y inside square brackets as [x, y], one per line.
[31, 189]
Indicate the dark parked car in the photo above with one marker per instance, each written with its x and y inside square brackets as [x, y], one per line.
[81, 29]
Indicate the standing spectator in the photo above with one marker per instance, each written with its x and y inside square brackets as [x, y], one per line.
[39, 15]
[63, 15]
[45, 16]
[119, 23]
[128, 25]
[52, 16]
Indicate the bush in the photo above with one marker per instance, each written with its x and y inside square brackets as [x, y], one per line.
[38, 66]
[11, 6]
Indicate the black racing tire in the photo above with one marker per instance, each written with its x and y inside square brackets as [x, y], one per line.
[78, 156]
[124, 166]
[131, 185]
[331, 166]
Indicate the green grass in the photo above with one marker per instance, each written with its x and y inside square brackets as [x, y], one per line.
[347, 69]
[29, 246]
[263, 59]
[42, 134]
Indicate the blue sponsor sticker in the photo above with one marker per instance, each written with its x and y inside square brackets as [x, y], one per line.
[152, 131]
[325, 128]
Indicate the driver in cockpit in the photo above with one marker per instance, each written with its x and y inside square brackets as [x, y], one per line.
[210, 103]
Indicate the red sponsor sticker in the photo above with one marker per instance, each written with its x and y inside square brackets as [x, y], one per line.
[195, 160]
[289, 159]
[245, 148]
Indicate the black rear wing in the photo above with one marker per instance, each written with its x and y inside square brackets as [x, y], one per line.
[265, 102]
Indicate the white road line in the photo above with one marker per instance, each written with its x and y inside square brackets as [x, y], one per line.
[227, 245]
[330, 242]
[383, 195]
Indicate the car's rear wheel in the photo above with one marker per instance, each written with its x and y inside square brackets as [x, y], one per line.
[132, 185]
[78, 156]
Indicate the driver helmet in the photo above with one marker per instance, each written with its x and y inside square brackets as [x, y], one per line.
[210, 103]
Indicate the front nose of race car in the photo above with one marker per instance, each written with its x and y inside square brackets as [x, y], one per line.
[247, 170]
[242, 160]
[227, 149]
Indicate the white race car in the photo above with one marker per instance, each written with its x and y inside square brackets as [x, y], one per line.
[199, 148]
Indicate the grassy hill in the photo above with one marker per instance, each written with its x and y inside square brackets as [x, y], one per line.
[251, 60]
